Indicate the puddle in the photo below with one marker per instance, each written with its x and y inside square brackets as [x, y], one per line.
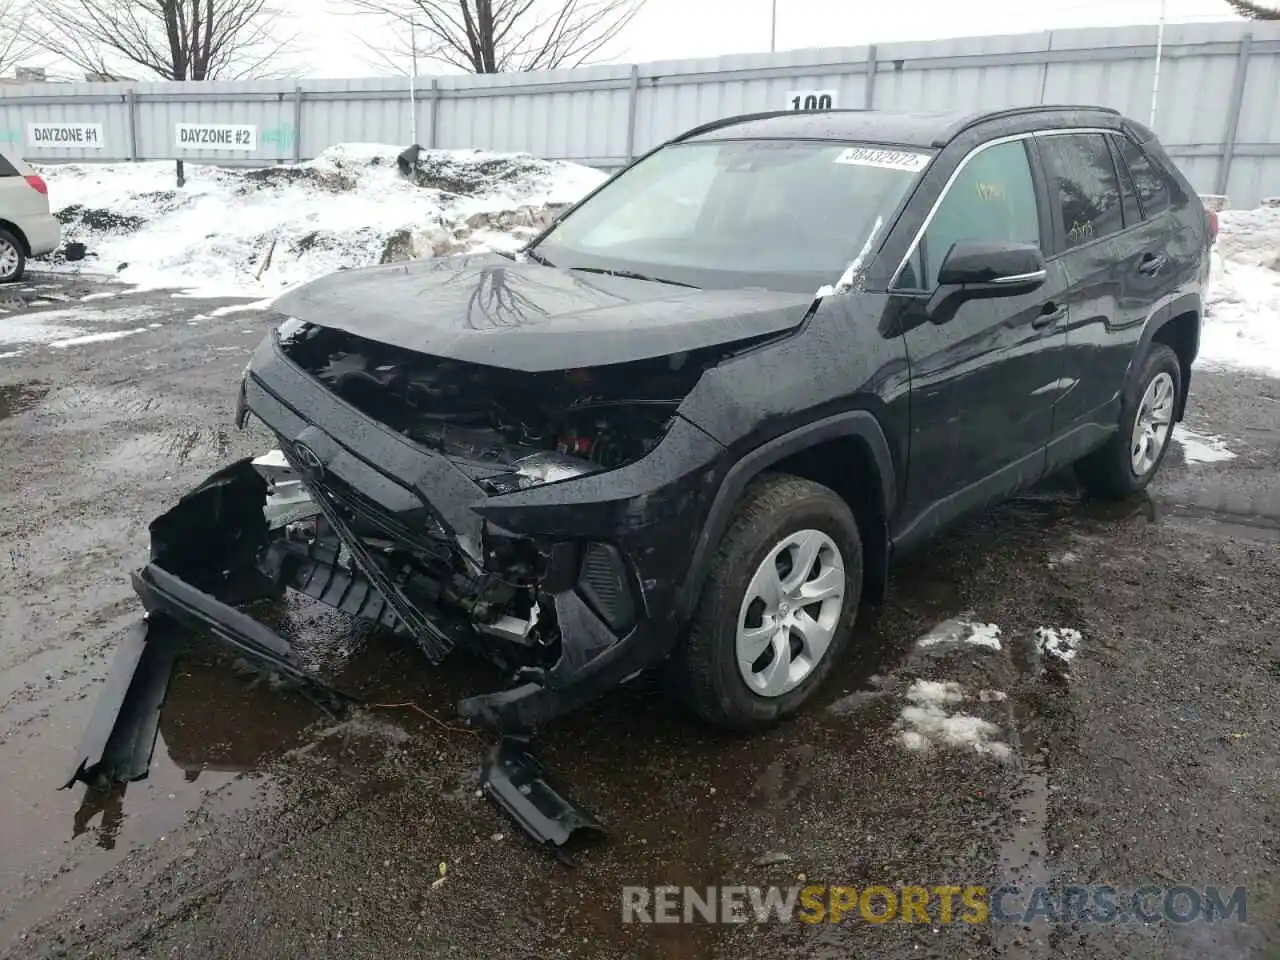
[146, 453]
[1198, 448]
[17, 397]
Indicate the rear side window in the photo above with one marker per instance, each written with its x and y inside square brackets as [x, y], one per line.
[992, 198]
[7, 169]
[1080, 165]
[1151, 183]
[1128, 192]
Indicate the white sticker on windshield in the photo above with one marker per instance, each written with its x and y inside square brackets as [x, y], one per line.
[878, 157]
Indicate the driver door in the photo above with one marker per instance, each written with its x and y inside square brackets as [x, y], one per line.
[983, 383]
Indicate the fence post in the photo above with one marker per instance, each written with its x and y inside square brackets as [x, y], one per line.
[131, 106]
[1234, 107]
[435, 114]
[633, 95]
[869, 98]
[297, 123]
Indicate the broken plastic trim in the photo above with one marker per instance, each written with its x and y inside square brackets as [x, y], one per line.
[514, 779]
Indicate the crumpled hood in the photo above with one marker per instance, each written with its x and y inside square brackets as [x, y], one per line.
[523, 316]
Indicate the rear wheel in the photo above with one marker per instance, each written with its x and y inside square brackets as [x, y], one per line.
[13, 261]
[776, 611]
[1128, 461]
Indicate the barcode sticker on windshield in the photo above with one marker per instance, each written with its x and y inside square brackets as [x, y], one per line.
[889, 159]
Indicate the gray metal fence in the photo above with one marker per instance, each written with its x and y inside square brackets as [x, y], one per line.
[1217, 108]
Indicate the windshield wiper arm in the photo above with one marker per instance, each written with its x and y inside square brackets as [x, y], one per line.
[632, 275]
[538, 258]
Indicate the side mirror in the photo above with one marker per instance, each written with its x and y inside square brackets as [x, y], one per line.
[980, 269]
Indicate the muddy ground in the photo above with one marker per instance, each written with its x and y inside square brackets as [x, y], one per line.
[269, 830]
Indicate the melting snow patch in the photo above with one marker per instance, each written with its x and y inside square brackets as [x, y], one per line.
[962, 631]
[11, 353]
[925, 723]
[97, 338]
[1058, 643]
[1197, 448]
[241, 307]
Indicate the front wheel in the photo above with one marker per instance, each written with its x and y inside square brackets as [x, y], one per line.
[1128, 461]
[777, 609]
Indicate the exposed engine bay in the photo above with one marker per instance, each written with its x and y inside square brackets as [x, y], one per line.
[537, 427]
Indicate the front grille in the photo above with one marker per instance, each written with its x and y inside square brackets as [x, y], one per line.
[336, 502]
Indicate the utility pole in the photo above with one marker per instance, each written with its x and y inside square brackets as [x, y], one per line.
[1155, 80]
[413, 82]
[773, 27]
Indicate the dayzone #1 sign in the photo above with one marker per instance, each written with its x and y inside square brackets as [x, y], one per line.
[66, 136]
[217, 136]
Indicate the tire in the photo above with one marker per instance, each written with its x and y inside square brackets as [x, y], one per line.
[779, 514]
[13, 261]
[1114, 471]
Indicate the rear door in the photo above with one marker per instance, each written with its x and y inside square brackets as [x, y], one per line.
[983, 383]
[1099, 254]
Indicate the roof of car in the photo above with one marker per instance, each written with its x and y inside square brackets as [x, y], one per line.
[875, 126]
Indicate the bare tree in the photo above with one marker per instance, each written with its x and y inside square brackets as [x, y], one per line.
[172, 39]
[1254, 11]
[501, 36]
[16, 44]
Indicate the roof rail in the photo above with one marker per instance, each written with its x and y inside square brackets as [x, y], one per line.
[748, 117]
[976, 118]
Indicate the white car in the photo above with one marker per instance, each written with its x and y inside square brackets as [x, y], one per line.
[27, 229]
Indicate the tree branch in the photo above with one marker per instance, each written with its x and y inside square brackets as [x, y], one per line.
[494, 36]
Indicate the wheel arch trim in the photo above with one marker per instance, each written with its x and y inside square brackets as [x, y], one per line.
[860, 424]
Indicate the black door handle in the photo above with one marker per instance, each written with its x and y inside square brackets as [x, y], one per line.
[1050, 314]
[1152, 263]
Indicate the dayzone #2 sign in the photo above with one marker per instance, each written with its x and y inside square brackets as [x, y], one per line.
[66, 136]
[217, 136]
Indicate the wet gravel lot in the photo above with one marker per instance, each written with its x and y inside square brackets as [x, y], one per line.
[267, 829]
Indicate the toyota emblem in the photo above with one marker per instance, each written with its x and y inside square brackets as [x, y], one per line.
[309, 459]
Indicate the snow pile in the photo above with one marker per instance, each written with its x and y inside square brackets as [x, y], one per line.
[1243, 326]
[258, 231]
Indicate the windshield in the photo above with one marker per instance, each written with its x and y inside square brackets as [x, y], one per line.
[787, 215]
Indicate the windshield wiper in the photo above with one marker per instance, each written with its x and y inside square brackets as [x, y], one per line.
[632, 275]
[538, 258]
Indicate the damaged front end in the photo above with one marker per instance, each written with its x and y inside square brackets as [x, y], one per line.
[539, 519]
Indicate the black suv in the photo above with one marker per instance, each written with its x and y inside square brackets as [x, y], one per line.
[692, 422]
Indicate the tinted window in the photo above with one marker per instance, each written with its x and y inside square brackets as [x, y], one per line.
[1088, 191]
[1153, 188]
[993, 198]
[1128, 193]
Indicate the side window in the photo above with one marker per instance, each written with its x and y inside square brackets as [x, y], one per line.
[1128, 193]
[1153, 188]
[993, 198]
[1088, 189]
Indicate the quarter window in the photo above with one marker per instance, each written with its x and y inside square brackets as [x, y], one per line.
[1153, 188]
[1080, 165]
[993, 198]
